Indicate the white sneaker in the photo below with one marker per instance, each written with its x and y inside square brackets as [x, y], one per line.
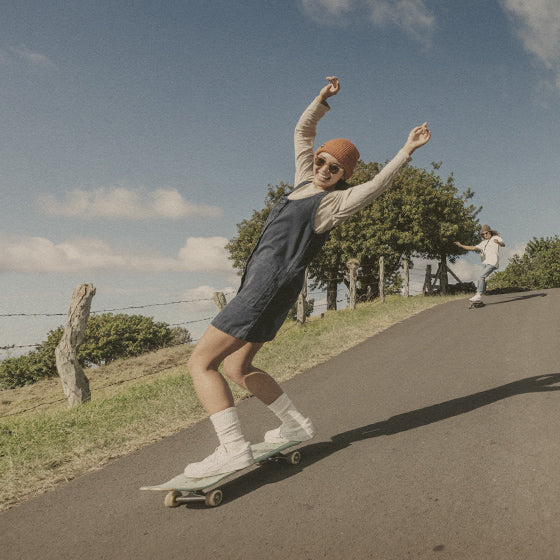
[220, 462]
[284, 433]
[476, 297]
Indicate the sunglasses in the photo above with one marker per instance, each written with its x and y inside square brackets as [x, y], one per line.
[334, 168]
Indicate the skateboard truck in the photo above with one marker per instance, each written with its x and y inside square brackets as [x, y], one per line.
[175, 498]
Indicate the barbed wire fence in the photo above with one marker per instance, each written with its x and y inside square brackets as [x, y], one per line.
[418, 279]
[110, 310]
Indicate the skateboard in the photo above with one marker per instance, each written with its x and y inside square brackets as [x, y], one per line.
[476, 304]
[203, 489]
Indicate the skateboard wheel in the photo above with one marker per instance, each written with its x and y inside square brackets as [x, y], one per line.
[213, 498]
[294, 458]
[170, 499]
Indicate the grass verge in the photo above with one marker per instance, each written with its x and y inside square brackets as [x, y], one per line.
[140, 400]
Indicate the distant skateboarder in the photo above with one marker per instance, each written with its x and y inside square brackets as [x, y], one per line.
[489, 249]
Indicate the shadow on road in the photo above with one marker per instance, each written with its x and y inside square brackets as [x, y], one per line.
[448, 409]
[271, 473]
[519, 298]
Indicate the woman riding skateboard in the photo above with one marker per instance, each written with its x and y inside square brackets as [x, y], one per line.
[489, 248]
[294, 232]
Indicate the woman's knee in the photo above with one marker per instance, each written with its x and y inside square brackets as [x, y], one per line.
[234, 370]
[239, 364]
[198, 363]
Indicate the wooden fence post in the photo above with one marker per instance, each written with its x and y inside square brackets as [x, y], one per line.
[332, 288]
[220, 300]
[436, 277]
[443, 280]
[302, 297]
[382, 279]
[353, 280]
[74, 381]
[406, 278]
[427, 288]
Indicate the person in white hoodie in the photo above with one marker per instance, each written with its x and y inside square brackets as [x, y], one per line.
[489, 249]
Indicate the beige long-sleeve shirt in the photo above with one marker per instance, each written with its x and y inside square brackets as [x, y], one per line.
[337, 205]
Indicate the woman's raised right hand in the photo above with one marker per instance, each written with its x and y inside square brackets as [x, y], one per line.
[331, 89]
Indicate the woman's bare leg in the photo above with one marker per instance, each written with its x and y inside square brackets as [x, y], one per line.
[234, 451]
[211, 350]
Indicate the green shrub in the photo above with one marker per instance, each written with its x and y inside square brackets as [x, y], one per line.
[538, 268]
[107, 337]
[35, 365]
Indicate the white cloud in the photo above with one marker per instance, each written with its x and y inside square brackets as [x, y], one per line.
[124, 203]
[206, 254]
[37, 254]
[537, 23]
[463, 269]
[506, 253]
[33, 57]
[412, 16]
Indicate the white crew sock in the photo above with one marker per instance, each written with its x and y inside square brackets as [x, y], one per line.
[228, 429]
[287, 412]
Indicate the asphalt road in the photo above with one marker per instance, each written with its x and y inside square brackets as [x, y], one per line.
[438, 438]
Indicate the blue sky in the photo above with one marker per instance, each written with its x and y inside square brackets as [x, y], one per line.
[136, 135]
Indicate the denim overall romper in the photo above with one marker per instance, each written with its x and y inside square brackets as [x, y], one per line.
[275, 271]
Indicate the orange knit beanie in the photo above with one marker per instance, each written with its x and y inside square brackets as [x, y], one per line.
[345, 153]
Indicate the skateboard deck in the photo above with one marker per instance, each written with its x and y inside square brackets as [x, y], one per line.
[201, 489]
[475, 304]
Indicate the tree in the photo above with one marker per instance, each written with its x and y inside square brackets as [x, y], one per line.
[356, 238]
[537, 268]
[420, 215]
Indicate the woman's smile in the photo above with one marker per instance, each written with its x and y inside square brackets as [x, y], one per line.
[327, 171]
